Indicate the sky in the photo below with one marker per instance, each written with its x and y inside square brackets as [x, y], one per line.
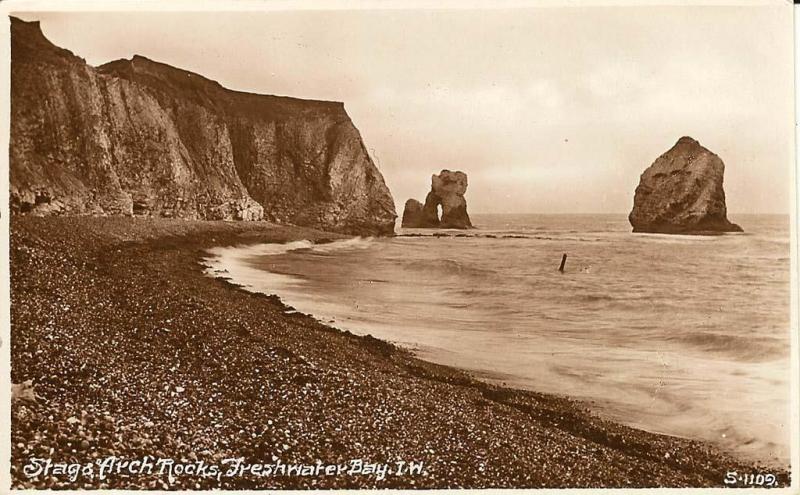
[547, 109]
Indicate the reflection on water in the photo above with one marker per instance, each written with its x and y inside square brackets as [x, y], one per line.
[682, 335]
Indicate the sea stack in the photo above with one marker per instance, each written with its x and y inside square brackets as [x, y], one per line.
[447, 190]
[681, 193]
[412, 213]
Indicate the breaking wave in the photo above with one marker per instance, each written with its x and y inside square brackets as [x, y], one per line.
[662, 332]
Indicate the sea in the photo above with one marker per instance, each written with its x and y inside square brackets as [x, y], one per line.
[674, 334]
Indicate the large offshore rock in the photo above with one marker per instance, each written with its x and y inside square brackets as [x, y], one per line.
[447, 191]
[682, 193]
[412, 213]
[137, 137]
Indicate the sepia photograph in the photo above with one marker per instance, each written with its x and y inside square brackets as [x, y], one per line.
[277, 245]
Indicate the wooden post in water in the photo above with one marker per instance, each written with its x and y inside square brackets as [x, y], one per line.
[563, 262]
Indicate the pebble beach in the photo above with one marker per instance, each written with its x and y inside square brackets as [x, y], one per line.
[121, 346]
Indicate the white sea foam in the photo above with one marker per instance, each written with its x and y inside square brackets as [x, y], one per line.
[683, 335]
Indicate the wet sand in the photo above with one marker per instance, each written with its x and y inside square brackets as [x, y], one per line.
[134, 352]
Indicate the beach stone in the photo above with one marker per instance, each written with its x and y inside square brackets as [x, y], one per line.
[23, 392]
[447, 191]
[682, 193]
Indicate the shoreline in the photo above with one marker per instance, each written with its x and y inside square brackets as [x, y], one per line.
[237, 265]
[198, 352]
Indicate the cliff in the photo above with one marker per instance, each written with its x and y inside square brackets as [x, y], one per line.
[137, 137]
[682, 193]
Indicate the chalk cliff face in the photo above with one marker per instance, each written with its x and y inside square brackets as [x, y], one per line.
[447, 190]
[681, 193]
[144, 138]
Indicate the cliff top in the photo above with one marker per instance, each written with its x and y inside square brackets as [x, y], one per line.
[28, 40]
[29, 44]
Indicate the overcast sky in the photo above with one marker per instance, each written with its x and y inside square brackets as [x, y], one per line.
[546, 109]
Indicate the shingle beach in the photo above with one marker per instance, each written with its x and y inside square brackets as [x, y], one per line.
[133, 351]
